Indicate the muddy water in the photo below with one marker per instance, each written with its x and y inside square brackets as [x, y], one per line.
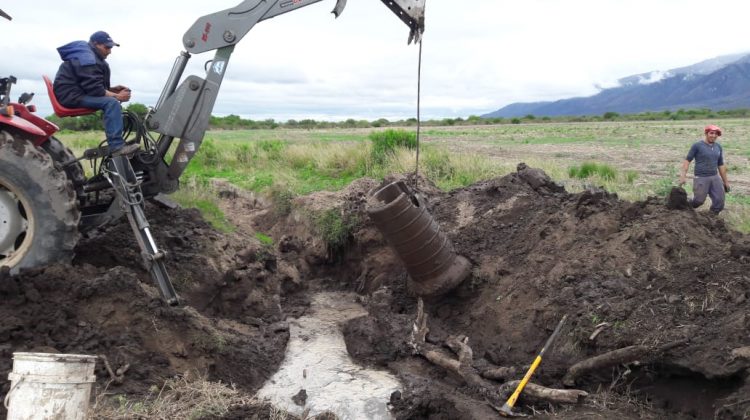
[317, 362]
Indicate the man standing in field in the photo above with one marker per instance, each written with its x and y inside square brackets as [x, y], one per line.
[710, 171]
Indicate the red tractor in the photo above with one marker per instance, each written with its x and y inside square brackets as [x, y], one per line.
[39, 212]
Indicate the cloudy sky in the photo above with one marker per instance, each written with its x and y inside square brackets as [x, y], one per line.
[478, 55]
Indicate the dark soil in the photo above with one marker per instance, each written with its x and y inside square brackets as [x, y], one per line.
[106, 305]
[655, 274]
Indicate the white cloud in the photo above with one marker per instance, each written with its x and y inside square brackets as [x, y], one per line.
[477, 56]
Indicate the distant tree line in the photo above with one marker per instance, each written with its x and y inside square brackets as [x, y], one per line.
[235, 122]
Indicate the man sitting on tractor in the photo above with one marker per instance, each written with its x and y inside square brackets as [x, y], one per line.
[83, 82]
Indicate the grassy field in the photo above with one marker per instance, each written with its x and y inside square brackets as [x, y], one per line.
[633, 159]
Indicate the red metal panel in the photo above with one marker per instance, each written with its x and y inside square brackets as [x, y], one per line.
[24, 125]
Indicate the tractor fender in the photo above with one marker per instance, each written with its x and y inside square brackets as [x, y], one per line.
[36, 133]
[25, 113]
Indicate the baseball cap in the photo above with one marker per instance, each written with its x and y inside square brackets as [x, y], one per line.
[712, 128]
[101, 37]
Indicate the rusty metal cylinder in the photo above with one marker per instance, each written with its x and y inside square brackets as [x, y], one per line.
[434, 267]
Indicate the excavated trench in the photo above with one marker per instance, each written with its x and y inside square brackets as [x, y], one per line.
[318, 366]
[678, 390]
[634, 273]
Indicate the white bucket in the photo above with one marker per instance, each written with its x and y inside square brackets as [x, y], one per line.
[46, 385]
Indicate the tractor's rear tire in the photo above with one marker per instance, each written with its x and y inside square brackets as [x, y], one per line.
[38, 212]
[62, 154]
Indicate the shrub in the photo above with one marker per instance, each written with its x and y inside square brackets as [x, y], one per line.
[631, 176]
[589, 169]
[610, 115]
[385, 143]
[437, 165]
[606, 172]
[272, 148]
[336, 231]
[138, 109]
[246, 154]
[209, 155]
[282, 198]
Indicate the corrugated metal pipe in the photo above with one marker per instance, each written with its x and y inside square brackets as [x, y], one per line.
[434, 267]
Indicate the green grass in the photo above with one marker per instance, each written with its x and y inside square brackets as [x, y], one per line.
[335, 229]
[385, 143]
[264, 239]
[193, 195]
[592, 169]
[633, 159]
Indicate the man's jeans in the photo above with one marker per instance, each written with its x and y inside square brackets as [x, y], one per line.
[712, 186]
[112, 117]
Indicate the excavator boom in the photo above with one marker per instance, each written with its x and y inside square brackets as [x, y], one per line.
[184, 111]
[229, 26]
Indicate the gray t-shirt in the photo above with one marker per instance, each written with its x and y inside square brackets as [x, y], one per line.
[707, 157]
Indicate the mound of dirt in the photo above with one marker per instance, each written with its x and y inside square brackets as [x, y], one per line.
[106, 305]
[664, 282]
[672, 282]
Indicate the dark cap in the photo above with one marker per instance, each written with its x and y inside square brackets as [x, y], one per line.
[101, 37]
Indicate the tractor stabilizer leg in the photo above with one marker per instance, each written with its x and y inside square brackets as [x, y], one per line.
[123, 179]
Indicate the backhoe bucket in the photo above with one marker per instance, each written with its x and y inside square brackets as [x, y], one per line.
[411, 12]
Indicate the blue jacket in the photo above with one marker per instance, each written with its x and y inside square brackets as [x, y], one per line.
[82, 73]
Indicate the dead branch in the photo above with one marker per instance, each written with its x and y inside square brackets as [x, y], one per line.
[442, 359]
[460, 346]
[538, 392]
[499, 373]
[118, 377]
[599, 328]
[462, 365]
[419, 329]
[615, 357]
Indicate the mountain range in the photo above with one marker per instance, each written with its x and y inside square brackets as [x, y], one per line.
[719, 83]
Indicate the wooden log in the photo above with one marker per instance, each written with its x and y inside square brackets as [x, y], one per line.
[615, 357]
[499, 373]
[538, 392]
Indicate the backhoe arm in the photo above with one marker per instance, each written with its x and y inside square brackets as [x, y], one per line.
[235, 23]
[184, 111]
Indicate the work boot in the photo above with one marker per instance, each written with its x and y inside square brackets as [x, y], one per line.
[126, 150]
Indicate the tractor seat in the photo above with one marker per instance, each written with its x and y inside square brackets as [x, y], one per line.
[60, 110]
